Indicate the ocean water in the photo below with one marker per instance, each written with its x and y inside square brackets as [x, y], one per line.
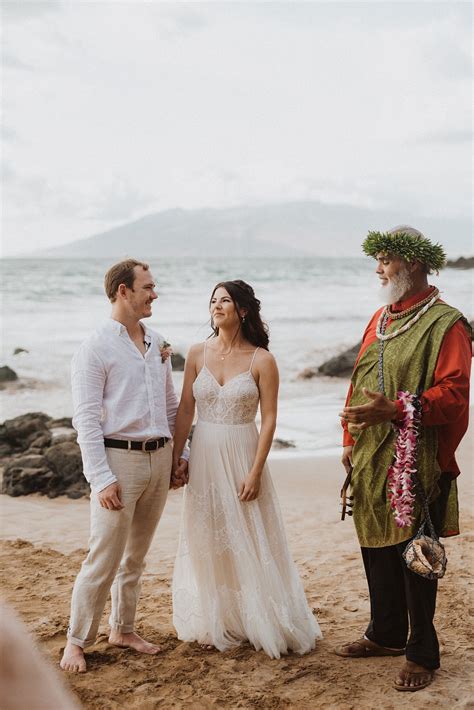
[315, 308]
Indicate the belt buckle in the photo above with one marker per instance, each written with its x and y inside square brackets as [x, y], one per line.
[145, 442]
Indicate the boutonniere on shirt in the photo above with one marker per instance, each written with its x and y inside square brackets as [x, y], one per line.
[165, 350]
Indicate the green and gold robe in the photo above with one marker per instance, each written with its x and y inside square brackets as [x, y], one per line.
[409, 363]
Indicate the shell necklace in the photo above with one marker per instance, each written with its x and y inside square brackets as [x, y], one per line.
[403, 314]
[386, 314]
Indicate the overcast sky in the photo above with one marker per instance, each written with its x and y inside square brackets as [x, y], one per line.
[116, 109]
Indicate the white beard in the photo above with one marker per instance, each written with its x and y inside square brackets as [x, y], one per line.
[396, 288]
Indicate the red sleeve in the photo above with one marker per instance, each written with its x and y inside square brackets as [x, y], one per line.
[446, 401]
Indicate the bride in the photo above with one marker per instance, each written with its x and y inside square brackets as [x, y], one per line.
[234, 578]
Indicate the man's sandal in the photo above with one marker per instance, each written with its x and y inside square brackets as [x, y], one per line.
[429, 675]
[364, 648]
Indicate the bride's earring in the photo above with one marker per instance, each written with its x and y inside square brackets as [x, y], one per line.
[243, 319]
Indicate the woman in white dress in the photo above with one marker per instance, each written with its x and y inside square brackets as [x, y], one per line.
[234, 578]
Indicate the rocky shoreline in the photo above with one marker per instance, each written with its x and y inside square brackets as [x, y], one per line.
[464, 262]
[39, 454]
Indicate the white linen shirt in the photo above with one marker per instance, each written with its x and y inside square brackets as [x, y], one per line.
[120, 394]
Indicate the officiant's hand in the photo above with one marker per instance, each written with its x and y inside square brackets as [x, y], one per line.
[250, 487]
[346, 458]
[377, 410]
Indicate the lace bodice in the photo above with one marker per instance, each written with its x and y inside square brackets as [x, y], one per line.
[235, 402]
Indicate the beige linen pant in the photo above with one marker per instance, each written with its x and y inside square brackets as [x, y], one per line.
[119, 541]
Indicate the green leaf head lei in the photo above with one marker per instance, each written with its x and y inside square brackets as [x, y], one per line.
[407, 243]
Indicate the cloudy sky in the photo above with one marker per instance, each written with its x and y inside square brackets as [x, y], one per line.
[115, 109]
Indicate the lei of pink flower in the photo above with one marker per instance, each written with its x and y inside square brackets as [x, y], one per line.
[399, 475]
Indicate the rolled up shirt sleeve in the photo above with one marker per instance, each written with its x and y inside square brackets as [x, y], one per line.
[88, 379]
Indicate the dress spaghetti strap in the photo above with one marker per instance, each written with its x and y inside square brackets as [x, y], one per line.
[253, 358]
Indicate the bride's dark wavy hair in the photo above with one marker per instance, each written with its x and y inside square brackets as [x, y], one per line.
[243, 297]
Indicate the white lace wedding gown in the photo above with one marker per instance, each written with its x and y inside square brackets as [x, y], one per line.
[234, 578]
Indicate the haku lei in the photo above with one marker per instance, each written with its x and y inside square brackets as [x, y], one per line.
[399, 475]
[407, 246]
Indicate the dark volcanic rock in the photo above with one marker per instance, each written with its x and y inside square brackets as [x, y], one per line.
[7, 374]
[17, 351]
[341, 365]
[177, 362]
[308, 373]
[462, 263]
[62, 422]
[41, 455]
[24, 431]
[29, 461]
[18, 481]
[57, 472]
[282, 444]
[65, 460]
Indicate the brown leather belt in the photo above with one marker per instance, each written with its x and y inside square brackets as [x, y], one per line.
[147, 445]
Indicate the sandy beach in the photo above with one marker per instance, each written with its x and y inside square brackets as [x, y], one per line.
[44, 542]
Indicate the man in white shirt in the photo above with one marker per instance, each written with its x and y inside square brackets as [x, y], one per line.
[124, 412]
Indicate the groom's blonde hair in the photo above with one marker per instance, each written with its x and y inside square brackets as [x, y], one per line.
[121, 273]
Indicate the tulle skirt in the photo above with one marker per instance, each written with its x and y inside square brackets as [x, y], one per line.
[234, 578]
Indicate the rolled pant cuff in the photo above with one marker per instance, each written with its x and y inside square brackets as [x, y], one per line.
[79, 642]
[123, 628]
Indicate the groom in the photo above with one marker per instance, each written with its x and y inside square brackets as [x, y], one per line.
[124, 412]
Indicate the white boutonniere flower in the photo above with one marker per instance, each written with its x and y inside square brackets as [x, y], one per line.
[166, 351]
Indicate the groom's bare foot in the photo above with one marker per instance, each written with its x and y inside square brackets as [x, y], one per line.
[73, 659]
[133, 640]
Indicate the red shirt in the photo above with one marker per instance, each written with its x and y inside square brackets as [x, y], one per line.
[446, 403]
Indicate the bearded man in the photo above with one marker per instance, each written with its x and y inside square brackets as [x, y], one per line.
[415, 358]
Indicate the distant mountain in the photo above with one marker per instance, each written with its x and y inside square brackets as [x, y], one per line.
[286, 229]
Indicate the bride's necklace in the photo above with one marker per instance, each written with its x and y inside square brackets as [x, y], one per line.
[381, 335]
[224, 355]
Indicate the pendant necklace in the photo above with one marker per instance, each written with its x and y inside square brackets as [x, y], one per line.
[224, 355]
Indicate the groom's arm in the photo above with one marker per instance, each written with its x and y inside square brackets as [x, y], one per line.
[88, 377]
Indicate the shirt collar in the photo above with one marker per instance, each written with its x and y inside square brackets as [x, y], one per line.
[116, 327]
[409, 302]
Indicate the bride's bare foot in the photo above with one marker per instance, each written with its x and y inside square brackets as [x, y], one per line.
[73, 659]
[133, 640]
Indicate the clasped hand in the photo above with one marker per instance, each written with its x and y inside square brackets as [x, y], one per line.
[378, 409]
[179, 474]
[250, 487]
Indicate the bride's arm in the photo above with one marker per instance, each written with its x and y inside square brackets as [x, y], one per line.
[185, 413]
[268, 381]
